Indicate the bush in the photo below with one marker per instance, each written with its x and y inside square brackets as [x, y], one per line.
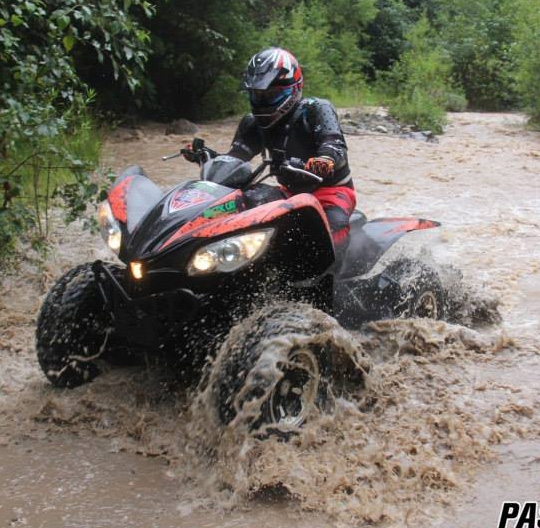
[46, 136]
[455, 102]
[48, 171]
[527, 55]
[224, 94]
[419, 110]
[477, 35]
[16, 222]
[331, 58]
[420, 81]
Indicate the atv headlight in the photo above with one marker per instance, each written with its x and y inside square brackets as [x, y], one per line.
[109, 227]
[230, 254]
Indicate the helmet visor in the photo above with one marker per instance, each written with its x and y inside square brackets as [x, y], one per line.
[273, 96]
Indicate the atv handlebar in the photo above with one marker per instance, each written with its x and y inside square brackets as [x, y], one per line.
[201, 154]
[204, 155]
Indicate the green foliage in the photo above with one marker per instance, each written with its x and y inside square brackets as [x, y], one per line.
[527, 55]
[197, 49]
[387, 34]
[81, 193]
[478, 35]
[224, 95]
[304, 31]
[44, 126]
[38, 43]
[420, 109]
[421, 81]
[200, 49]
[332, 60]
[41, 90]
[41, 174]
[15, 223]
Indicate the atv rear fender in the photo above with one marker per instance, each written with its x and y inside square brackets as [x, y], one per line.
[369, 241]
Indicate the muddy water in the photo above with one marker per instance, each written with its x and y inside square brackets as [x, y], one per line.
[446, 430]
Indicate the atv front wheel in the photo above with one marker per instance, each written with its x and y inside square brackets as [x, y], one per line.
[274, 368]
[73, 329]
[420, 292]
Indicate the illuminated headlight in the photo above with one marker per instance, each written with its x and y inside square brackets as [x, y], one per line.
[109, 227]
[137, 270]
[230, 254]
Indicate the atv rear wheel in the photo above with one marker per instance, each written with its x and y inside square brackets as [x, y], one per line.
[274, 368]
[421, 293]
[74, 329]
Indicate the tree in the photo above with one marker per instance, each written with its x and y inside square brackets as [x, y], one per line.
[38, 43]
[326, 38]
[198, 55]
[43, 100]
[387, 34]
[527, 55]
[479, 36]
[422, 80]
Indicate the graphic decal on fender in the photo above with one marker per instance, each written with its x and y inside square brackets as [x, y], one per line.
[403, 225]
[211, 227]
[117, 199]
[263, 213]
[185, 198]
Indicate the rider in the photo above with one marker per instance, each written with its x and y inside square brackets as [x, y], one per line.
[306, 129]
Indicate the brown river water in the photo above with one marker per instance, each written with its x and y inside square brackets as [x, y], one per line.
[453, 427]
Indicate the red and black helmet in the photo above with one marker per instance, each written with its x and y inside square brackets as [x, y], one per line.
[273, 80]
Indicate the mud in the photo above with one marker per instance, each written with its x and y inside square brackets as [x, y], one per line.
[445, 430]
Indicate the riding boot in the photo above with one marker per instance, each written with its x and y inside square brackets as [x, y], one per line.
[340, 251]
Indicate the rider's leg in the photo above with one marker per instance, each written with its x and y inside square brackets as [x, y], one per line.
[338, 204]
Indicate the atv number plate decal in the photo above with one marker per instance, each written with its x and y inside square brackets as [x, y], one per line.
[185, 198]
[221, 209]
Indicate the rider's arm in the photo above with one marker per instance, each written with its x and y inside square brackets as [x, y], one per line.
[324, 123]
[247, 141]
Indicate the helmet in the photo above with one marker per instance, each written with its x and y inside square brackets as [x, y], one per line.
[273, 80]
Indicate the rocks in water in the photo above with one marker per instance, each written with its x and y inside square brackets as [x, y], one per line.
[181, 127]
[425, 135]
[377, 121]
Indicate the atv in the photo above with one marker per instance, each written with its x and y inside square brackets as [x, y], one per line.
[209, 253]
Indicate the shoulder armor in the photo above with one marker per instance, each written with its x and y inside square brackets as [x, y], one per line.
[321, 116]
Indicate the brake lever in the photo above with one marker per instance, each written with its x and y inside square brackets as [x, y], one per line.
[171, 156]
[292, 168]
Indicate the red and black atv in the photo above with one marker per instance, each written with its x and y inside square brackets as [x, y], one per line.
[209, 253]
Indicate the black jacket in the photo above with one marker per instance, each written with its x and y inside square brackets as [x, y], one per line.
[311, 129]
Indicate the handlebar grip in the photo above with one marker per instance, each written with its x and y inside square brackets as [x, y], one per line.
[197, 144]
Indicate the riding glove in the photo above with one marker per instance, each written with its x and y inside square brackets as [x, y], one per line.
[321, 166]
[189, 154]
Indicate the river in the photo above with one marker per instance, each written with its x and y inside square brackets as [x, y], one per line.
[454, 428]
